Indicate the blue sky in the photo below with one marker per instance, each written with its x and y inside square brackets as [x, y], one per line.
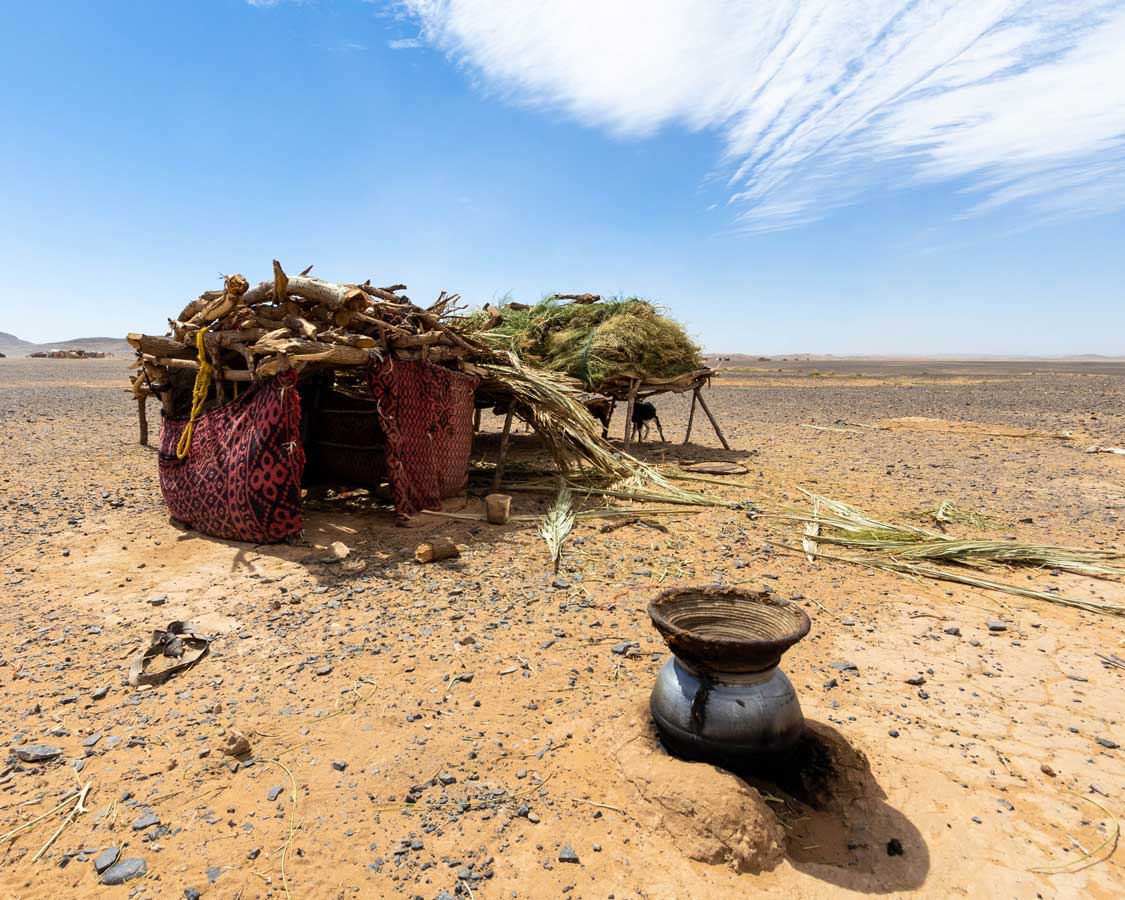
[912, 177]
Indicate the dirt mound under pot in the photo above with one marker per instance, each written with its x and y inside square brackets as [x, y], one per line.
[713, 816]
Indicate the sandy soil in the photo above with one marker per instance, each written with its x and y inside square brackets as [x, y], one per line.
[452, 728]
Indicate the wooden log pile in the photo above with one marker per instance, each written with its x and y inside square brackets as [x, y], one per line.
[294, 322]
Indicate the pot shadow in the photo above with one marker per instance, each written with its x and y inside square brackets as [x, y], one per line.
[838, 826]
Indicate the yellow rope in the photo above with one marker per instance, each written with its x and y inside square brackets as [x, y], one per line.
[198, 395]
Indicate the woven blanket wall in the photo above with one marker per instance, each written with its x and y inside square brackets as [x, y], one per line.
[427, 416]
[241, 479]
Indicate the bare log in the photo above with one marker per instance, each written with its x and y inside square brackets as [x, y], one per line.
[363, 341]
[233, 297]
[438, 549]
[337, 296]
[302, 327]
[154, 345]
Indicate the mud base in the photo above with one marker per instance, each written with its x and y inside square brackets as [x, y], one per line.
[817, 804]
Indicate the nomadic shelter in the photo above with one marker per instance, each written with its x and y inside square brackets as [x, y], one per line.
[298, 381]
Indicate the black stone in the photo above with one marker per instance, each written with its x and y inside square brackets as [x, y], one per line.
[33, 753]
[126, 870]
[105, 859]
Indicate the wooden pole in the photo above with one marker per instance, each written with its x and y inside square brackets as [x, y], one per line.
[142, 419]
[714, 424]
[502, 456]
[476, 420]
[691, 414]
[633, 383]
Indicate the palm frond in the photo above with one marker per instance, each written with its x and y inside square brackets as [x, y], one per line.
[558, 523]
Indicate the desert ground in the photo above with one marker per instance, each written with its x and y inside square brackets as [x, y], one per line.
[478, 728]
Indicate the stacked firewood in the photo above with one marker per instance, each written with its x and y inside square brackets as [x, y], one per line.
[293, 322]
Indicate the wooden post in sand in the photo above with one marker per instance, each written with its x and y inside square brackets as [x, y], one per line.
[633, 385]
[502, 456]
[142, 419]
[691, 414]
[714, 424]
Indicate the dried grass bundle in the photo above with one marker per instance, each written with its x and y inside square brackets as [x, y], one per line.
[594, 343]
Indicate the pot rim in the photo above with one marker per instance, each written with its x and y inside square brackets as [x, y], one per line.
[713, 653]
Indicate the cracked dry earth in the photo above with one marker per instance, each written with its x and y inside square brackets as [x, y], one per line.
[478, 729]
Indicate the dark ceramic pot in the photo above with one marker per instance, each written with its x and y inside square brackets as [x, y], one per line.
[721, 697]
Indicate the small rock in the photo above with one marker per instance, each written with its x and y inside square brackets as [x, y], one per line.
[1107, 743]
[191, 894]
[126, 870]
[916, 681]
[567, 854]
[1047, 770]
[845, 667]
[996, 627]
[100, 693]
[275, 792]
[236, 743]
[339, 765]
[953, 630]
[894, 847]
[158, 599]
[326, 669]
[145, 821]
[105, 859]
[623, 648]
[33, 753]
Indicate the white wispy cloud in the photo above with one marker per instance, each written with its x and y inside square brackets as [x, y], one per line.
[405, 43]
[1016, 101]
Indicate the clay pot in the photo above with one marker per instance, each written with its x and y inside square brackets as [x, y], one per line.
[721, 697]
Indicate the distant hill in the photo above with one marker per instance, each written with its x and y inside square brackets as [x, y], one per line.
[10, 345]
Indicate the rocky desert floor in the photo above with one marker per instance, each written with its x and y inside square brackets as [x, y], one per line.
[478, 728]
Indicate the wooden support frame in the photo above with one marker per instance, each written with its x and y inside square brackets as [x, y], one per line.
[714, 423]
[691, 414]
[502, 455]
[633, 386]
[142, 419]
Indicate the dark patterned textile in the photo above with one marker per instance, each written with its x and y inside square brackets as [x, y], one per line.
[427, 415]
[241, 479]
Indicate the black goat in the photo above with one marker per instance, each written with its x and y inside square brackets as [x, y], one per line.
[602, 410]
[643, 413]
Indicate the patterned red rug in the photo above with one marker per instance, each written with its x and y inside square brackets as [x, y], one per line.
[241, 479]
